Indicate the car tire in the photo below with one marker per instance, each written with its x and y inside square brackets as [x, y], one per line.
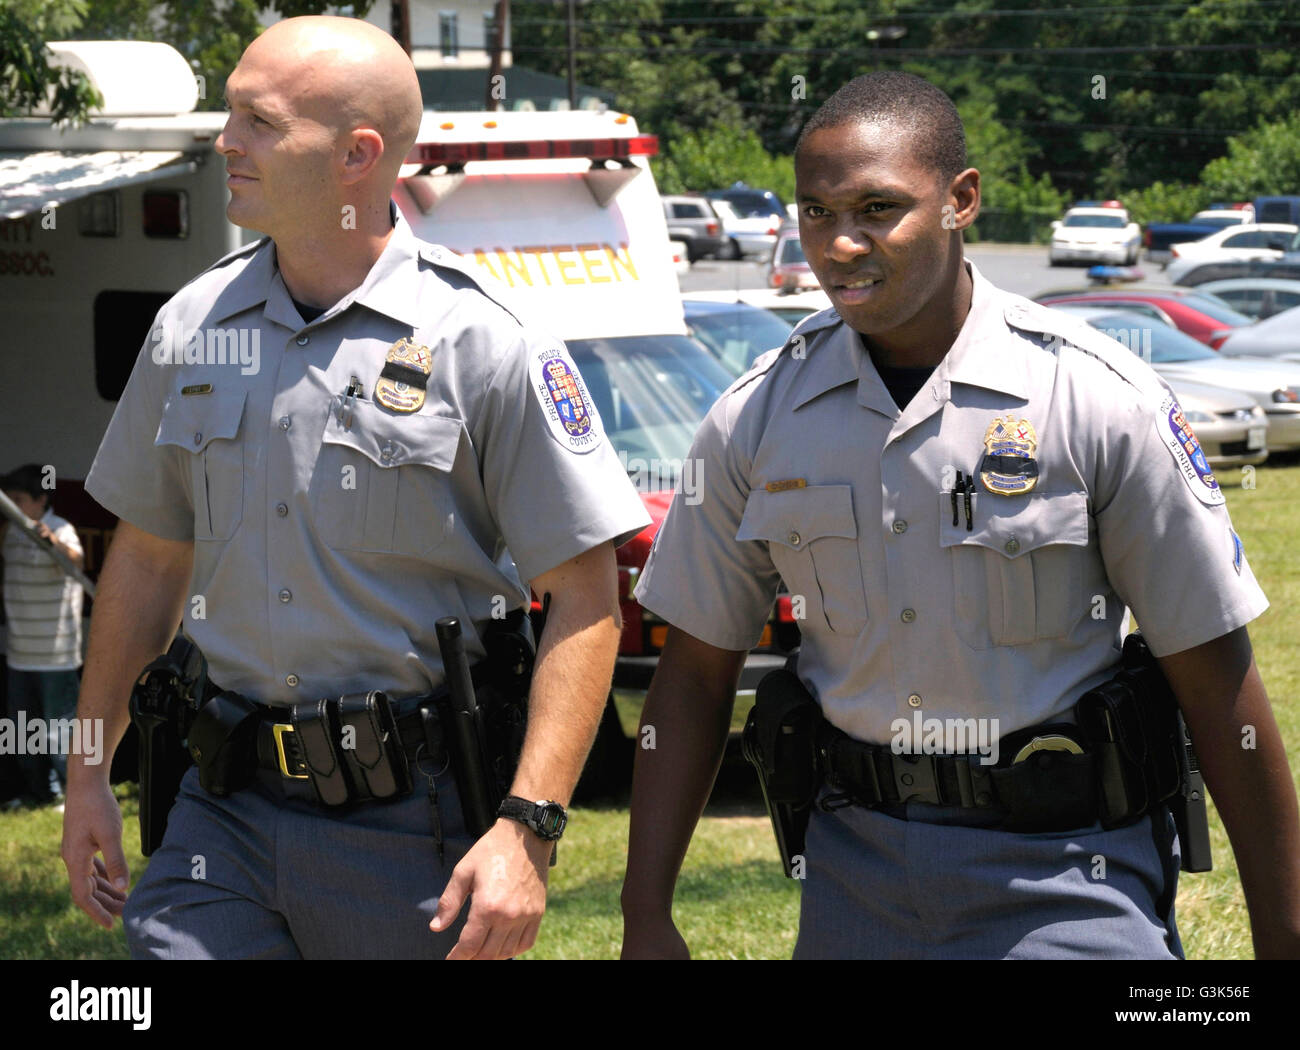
[691, 254]
[729, 251]
[1131, 259]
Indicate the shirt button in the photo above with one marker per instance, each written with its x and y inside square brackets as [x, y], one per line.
[282, 509]
[795, 539]
[900, 527]
[285, 595]
[198, 438]
[1012, 545]
[285, 422]
[291, 680]
[909, 615]
[302, 340]
[914, 700]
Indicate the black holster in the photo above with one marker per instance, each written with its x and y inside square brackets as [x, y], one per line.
[353, 749]
[162, 706]
[780, 741]
[1144, 752]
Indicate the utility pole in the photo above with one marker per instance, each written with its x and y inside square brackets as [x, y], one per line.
[400, 17]
[500, 12]
[573, 46]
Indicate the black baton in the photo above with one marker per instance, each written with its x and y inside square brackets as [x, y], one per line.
[465, 732]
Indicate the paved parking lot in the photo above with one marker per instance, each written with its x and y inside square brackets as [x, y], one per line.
[1020, 268]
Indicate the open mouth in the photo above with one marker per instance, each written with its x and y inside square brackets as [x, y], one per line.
[856, 291]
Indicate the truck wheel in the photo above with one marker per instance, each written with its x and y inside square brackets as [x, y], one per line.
[608, 772]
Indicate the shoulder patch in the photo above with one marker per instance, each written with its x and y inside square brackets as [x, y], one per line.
[1177, 435]
[570, 413]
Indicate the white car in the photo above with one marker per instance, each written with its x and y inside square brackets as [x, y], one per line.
[791, 308]
[1098, 235]
[748, 235]
[1226, 217]
[1254, 240]
[681, 257]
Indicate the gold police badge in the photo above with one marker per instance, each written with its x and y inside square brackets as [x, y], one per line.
[402, 382]
[1009, 467]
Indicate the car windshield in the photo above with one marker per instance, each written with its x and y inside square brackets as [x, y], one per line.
[1220, 221]
[737, 334]
[1110, 222]
[1219, 309]
[1153, 341]
[791, 252]
[752, 205]
[651, 392]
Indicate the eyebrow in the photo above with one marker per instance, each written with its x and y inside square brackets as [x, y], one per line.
[875, 191]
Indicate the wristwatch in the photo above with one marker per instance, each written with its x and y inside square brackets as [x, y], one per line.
[547, 819]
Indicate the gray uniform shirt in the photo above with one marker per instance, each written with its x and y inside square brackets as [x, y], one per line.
[811, 475]
[332, 532]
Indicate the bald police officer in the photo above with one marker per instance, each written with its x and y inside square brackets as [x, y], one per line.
[382, 452]
[963, 491]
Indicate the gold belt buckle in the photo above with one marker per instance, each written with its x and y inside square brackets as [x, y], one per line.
[1051, 742]
[279, 729]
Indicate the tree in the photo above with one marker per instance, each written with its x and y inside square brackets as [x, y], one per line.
[211, 36]
[1263, 162]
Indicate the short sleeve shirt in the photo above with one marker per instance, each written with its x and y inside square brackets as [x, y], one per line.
[812, 476]
[42, 604]
[337, 510]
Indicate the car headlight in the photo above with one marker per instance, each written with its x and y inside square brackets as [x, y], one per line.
[1288, 395]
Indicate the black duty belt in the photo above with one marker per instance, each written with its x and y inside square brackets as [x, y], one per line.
[279, 749]
[1045, 780]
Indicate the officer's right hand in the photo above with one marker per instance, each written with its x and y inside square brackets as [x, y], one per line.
[92, 824]
[653, 940]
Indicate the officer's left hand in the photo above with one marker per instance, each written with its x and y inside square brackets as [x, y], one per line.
[505, 875]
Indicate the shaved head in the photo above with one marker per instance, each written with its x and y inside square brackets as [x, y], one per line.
[344, 74]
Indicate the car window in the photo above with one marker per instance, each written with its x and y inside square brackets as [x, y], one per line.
[1222, 222]
[1154, 343]
[737, 336]
[1109, 222]
[687, 211]
[1249, 239]
[1244, 300]
[651, 392]
[791, 252]
[1215, 307]
[1145, 309]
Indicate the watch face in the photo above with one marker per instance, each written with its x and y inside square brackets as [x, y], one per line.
[551, 820]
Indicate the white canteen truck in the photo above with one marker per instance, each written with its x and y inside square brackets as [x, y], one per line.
[101, 224]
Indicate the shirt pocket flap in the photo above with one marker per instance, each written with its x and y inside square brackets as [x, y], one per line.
[395, 441]
[796, 517]
[193, 422]
[1015, 525]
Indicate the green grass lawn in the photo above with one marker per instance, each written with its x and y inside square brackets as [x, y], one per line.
[732, 901]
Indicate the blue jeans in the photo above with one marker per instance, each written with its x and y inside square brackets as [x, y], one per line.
[49, 695]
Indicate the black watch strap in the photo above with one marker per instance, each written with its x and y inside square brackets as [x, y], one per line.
[546, 819]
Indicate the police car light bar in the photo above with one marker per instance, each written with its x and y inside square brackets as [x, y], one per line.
[451, 154]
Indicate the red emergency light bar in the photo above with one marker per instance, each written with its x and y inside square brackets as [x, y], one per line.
[434, 154]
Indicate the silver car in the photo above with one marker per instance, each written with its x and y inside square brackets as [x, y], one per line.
[1274, 386]
[1276, 338]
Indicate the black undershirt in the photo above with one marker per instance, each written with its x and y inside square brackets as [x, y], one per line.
[308, 313]
[903, 384]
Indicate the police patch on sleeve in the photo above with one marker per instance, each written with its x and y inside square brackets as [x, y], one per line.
[567, 406]
[1176, 433]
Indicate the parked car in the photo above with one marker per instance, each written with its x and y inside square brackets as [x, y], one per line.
[1286, 268]
[1099, 235]
[789, 269]
[693, 221]
[1272, 385]
[1275, 337]
[1277, 209]
[1257, 297]
[681, 258]
[735, 333]
[1245, 241]
[753, 235]
[790, 308]
[1159, 237]
[750, 202]
[1199, 315]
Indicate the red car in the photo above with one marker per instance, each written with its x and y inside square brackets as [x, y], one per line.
[1204, 317]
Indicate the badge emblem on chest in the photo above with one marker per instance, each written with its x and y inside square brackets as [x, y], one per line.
[402, 383]
[1008, 467]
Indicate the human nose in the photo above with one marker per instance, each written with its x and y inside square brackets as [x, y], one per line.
[846, 243]
[227, 141]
